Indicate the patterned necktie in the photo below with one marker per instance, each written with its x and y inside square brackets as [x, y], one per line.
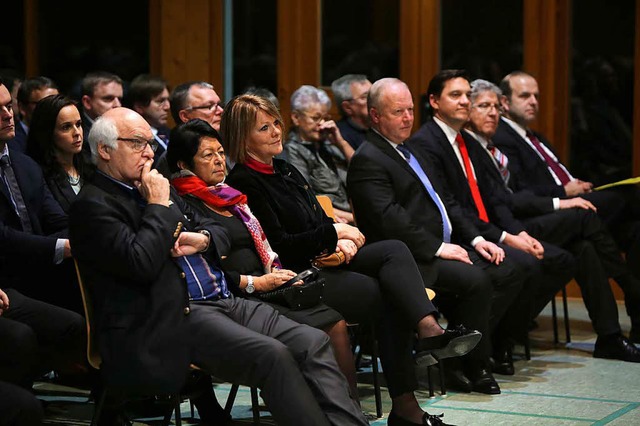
[473, 185]
[551, 163]
[16, 195]
[446, 224]
[501, 161]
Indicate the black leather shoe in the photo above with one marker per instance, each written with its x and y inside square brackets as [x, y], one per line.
[455, 380]
[453, 342]
[482, 381]
[616, 347]
[427, 420]
[503, 362]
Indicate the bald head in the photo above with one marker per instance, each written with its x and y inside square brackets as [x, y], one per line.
[391, 109]
[120, 144]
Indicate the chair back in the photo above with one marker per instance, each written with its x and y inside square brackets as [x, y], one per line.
[93, 354]
[327, 205]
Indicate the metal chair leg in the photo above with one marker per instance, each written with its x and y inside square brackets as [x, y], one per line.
[255, 405]
[98, 408]
[554, 317]
[231, 398]
[566, 314]
[374, 368]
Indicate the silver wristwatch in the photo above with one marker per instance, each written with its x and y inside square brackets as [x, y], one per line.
[250, 288]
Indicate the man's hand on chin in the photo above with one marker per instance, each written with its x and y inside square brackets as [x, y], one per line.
[153, 186]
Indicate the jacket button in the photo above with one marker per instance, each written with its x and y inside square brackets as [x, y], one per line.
[187, 310]
[183, 275]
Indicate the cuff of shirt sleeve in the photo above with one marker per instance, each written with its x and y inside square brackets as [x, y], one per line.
[58, 255]
[502, 236]
[476, 240]
[556, 204]
[439, 250]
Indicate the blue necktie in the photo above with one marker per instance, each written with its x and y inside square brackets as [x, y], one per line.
[446, 224]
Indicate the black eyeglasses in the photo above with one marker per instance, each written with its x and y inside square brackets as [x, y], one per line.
[138, 145]
[210, 107]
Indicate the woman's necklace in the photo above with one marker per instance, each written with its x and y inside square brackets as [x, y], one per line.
[74, 180]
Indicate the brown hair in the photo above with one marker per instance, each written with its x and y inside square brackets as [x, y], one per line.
[239, 118]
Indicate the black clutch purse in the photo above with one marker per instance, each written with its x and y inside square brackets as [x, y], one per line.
[297, 297]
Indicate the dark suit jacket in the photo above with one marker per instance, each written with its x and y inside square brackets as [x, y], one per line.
[390, 201]
[139, 294]
[430, 141]
[288, 211]
[19, 250]
[528, 170]
[62, 192]
[507, 206]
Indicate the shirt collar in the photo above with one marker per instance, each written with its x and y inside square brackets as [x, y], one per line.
[5, 151]
[393, 144]
[449, 132]
[517, 127]
[483, 141]
[122, 184]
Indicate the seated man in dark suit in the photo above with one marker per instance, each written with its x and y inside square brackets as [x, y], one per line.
[36, 338]
[440, 139]
[34, 249]
[536, 167]
[350, 93]
[148, 95]
[162, 301]
[30, 92]
[395, 197]
[574, 226]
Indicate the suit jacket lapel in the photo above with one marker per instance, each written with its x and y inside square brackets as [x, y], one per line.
[389, 151]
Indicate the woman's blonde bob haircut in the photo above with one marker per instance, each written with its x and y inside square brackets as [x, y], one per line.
[238, 120]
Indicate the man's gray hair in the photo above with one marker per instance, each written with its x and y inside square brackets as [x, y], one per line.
[480, 86]
[341, 88]
[307, 95]
[103, 131]
[375, 93]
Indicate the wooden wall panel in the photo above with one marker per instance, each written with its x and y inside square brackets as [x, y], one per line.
[31, 42]
[547, 29]
[419, 46]
[186, 40]
[299, 50]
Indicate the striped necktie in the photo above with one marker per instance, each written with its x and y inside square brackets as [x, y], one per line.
[501, 161]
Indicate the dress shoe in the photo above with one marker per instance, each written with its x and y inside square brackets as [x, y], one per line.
[427, 420]
[503, 362]
[616, 347]
[452, 343]
[455, 379]
[482, 381]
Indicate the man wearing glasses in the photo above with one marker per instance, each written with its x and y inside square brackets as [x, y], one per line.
[196, 99]
[350, 92]
[162, 300]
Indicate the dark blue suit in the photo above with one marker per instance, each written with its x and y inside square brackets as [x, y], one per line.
[27, 259]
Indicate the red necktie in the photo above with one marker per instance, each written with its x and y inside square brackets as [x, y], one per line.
[473, 185]
[553, 164]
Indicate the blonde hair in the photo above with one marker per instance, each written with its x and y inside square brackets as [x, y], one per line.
[238, 119]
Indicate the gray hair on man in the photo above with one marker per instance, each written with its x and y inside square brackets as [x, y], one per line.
[307, 95]
[341, 87]
[479, 86]
[103, 131]
[375, 93]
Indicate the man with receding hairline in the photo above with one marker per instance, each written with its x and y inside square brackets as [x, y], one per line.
[162, 301]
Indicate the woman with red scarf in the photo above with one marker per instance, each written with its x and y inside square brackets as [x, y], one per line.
[197, 160]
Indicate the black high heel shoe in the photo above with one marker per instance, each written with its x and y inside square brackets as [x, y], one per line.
[427, 420]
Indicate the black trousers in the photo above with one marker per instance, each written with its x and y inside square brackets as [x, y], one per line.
[383, 286]
[597, 258]
[37, 337]
[18, 406]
